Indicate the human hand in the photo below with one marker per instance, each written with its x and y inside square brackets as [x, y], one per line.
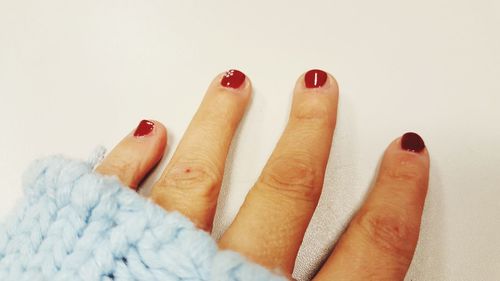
[380, 240]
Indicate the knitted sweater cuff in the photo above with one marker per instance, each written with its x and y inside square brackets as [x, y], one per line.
[75, 224]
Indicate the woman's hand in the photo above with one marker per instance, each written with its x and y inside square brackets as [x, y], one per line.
[380, 240]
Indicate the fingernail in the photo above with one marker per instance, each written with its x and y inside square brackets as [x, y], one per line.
[233, 79]
[412, 142]
[315, 78]
[144, 128]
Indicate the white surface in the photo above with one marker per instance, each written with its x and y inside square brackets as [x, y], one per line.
[74, 74]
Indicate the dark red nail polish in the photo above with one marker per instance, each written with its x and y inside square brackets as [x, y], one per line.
[412, 142]
[145, 128]
[315, 78]
[233, 79]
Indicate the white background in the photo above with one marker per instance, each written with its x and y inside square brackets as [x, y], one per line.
[75, 74]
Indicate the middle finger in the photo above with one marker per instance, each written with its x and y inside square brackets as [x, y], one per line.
[270, 225]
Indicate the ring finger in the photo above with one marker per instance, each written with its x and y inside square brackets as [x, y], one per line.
[191, 181]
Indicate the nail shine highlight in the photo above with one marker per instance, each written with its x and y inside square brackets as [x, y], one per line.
[315, 78]
[144, 128]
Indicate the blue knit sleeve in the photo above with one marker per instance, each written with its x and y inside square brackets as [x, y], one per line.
[75, 224]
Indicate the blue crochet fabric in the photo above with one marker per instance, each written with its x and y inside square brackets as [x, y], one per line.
[77, 225]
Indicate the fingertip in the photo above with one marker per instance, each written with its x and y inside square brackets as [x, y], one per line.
[152, 133]
[317, 80]
[162, 135]
[333, 84]
[411, 145]
[403, 167]
[233, 80]
[137, 154]
[161, 132]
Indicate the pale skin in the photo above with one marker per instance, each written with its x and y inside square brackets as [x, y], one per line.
[378, 244]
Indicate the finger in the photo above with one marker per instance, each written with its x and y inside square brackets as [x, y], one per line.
[134, 157]
[191, 181]
[270, 225]
[380, 240]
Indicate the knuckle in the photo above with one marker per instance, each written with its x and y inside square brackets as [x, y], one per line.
[124, 170]
[199, 177]
[223, 113]
[402, 174]
[391, 233]
[312, 110]
[403, 168]
[292, 177]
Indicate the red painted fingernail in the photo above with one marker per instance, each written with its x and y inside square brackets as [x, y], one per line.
[315, 78]
[233, 79]
[412, 142]
[144, 128]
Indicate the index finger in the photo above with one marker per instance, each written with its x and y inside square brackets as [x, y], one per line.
[380, 241]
